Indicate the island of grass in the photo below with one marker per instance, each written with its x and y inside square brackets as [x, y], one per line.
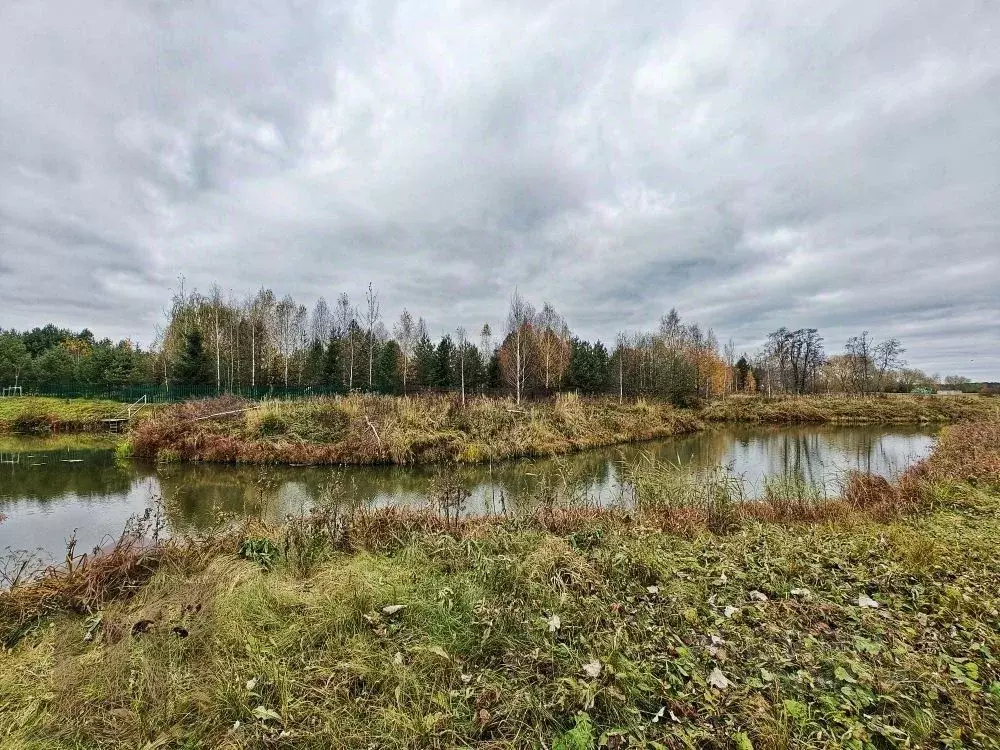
[684, 621]
[369, 429]
[42, 415]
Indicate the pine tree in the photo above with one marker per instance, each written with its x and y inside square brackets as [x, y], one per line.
[388, 368]
[444, 360]
[192, 367]
[494, 374]
[333, 367]
[425, 362]
[314, 371]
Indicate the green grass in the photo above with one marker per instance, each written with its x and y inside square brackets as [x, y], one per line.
[42, 414]
[869, 631]
[475, 657]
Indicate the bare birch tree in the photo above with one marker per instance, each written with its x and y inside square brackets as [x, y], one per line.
[462, 341]
[520, 319]
[345, 320]
[405, 332]
[371, 319]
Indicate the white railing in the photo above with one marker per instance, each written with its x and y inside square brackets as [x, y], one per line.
[133, 409]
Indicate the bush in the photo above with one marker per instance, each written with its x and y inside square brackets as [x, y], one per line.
[32, 423]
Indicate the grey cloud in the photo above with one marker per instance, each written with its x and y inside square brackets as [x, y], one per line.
[755, 165]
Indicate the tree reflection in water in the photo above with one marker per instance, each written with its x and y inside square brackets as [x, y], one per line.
[48, 490]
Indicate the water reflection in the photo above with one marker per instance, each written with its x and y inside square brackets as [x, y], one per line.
[48, 490]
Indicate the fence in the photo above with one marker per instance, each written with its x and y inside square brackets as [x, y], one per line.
[160, 394]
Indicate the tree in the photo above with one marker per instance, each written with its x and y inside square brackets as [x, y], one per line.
[742, 370]
[423, 356]
[315, 371]
[192, 368]
[321, 322]
[462, 338]
[333, 368]
[344, 319]
[405, 332]
[588, 366]
[372, 315]
[387, 366]
[553, 343]
[517, 352]
[14, 358]
[444, 357]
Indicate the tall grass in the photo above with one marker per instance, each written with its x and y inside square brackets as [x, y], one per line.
[876, 409]
[396, 628]
[406, 629]
[369, 429]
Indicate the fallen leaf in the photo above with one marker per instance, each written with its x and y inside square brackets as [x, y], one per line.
[592, 668]
[554, 623]
[718, 680]
[264, 714]
[867, 601]
[398, 658]
[437, 650]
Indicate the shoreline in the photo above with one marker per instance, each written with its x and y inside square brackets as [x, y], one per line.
[363, 430]
[554, 627]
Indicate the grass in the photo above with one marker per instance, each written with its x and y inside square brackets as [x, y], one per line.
[42, 415]
[871, 626]
[879, 409]
[367, 429]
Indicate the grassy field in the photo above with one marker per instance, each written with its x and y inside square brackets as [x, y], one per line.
[364, 429]
[881, 409]
[380, 429]
[873, 624]
[43, 415]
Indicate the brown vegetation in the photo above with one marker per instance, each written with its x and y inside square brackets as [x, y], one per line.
[369, 429]
[877, 409]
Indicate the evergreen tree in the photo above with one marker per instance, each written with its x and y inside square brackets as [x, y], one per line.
[333, 367]
[315, 371]
[742, 373]
[588, 366]
[192, 366]
[424, 362]
[444, 360]
[388, 361]
[494, 374]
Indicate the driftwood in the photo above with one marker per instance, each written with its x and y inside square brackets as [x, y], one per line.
[375, 433]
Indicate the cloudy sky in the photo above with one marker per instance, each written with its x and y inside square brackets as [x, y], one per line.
[828, 164]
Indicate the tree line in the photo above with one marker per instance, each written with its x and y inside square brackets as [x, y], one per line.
[262, 343]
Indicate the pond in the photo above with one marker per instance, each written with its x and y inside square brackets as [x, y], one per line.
[50, 489]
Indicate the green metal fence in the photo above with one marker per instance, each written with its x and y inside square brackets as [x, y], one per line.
[172, 394]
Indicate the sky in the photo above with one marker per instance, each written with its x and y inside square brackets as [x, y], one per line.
[753, 164]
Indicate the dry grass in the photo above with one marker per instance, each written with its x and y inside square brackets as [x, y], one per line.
[880, 409]
[368, 429]
[398, 628]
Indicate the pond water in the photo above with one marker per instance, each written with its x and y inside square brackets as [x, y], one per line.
[49, 489]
